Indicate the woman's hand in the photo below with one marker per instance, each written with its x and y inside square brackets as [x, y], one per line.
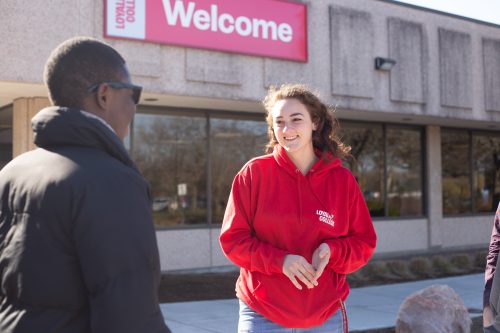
[296, 267]
[320, 259]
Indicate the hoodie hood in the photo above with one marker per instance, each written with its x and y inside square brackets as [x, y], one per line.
[59, 126]
[319, 167]
[313, 179]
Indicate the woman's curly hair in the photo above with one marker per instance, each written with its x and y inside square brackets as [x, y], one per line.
[324, 138]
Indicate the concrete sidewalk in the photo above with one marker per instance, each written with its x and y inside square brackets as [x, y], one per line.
[367, 308]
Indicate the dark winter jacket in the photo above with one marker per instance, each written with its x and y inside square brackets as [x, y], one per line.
[78, 250]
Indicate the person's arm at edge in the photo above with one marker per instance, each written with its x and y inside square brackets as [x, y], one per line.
[491, 261]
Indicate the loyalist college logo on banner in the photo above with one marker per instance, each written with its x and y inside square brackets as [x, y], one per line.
[273, 28]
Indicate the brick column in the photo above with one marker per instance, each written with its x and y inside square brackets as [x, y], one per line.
[23, 110]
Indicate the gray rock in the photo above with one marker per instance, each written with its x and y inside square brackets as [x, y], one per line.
[435, 309]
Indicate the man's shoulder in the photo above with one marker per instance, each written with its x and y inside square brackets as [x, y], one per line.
[69, 162]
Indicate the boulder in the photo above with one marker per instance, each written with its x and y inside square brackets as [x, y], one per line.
[435, 309]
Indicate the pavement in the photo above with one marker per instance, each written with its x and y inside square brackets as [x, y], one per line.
[368, 308]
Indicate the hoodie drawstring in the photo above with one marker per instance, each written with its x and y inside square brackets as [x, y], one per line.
[344, 317]
[297, 171]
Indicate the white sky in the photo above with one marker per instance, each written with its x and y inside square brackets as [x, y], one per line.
[483, 10]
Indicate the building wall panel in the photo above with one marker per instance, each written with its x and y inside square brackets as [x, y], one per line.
[467, 231]
[30, 30]
[218, 257]
[351, 52]
[401, 235]
[491, 65]
[406, 46]
[455, 60]
[213, 67]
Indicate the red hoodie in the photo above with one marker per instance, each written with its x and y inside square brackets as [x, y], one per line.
[275, 210]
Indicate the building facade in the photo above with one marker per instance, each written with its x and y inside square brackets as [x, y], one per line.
[425, 134]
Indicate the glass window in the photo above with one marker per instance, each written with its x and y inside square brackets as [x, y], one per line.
[486, 173]
[456, 171]
[171, 152]
[404, 172]
[367, 164]
[233, 143]
[387, 163]
[5, 136]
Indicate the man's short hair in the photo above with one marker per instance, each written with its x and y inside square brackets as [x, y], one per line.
[77, 64]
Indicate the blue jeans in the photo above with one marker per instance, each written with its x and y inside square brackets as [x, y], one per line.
[252, 322]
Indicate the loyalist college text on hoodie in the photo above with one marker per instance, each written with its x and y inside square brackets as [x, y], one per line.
[275, 210]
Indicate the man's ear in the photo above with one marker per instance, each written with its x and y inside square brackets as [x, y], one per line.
[102, 95]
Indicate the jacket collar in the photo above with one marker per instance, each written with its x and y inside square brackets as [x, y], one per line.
[60, 126]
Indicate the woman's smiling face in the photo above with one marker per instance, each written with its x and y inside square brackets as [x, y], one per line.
[292, 126]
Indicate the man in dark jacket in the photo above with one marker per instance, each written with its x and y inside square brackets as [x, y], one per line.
[78, 249]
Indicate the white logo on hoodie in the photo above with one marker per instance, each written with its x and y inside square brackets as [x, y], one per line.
[325, 217]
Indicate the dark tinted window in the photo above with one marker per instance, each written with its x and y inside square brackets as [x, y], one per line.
[387, 162]
[233, 143]
[455, 152]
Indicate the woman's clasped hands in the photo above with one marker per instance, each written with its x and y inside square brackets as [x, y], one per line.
[297, 268]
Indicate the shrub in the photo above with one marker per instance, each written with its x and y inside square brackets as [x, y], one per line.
[400, 268]
[480, 259]
[421, 267]
[362, 274]
[442, 265]
[357, 278]
[377, 269]
[461, 261]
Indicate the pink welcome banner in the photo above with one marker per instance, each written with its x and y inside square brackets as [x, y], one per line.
[270, 28]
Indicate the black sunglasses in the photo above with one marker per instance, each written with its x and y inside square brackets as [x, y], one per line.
[136, 90]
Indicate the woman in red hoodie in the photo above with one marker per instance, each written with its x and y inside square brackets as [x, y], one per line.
[296, 222]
